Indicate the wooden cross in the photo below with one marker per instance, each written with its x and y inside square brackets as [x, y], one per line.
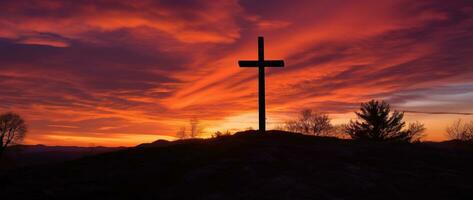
[261, 64]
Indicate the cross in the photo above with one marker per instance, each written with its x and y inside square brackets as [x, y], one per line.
[261, 63]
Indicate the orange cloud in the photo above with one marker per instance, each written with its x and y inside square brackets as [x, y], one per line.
[38, 41]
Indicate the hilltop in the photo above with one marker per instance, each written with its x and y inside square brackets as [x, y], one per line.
[275, 165]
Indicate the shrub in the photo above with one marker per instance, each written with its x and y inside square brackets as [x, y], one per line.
[311, 123]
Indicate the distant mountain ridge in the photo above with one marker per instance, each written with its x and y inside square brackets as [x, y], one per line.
[27, 155]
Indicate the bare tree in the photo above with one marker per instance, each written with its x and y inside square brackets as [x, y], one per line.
[196, 128]
[320, 124]
[292, 126]
[311, 123]
[181, 134]
[415, 131]
[12, 130]
[305, 120]
[460, 130]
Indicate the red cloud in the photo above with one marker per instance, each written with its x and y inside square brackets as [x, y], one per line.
[204, 21]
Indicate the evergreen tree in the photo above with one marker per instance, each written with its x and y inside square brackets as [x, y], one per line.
[377, 122]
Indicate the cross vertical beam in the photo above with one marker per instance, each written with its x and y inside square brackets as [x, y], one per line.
[261, 86]
[261, 63]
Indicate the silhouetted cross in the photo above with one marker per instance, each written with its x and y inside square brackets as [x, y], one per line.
[261, 64]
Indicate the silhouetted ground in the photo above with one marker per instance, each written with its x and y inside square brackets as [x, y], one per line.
[29, 155]
[276, 165]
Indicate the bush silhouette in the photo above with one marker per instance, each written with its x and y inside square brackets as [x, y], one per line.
[376, 122]
[310, 123]
[219, 134]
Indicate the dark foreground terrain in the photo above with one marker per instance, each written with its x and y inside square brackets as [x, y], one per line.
[29, 155]
[249, 166]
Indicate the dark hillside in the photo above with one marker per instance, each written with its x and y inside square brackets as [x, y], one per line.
[276, 165]
[29, 155]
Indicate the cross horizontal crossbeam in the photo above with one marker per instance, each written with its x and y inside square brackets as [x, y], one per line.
[266, 63]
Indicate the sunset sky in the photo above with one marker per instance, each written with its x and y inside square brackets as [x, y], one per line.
[108, 73]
